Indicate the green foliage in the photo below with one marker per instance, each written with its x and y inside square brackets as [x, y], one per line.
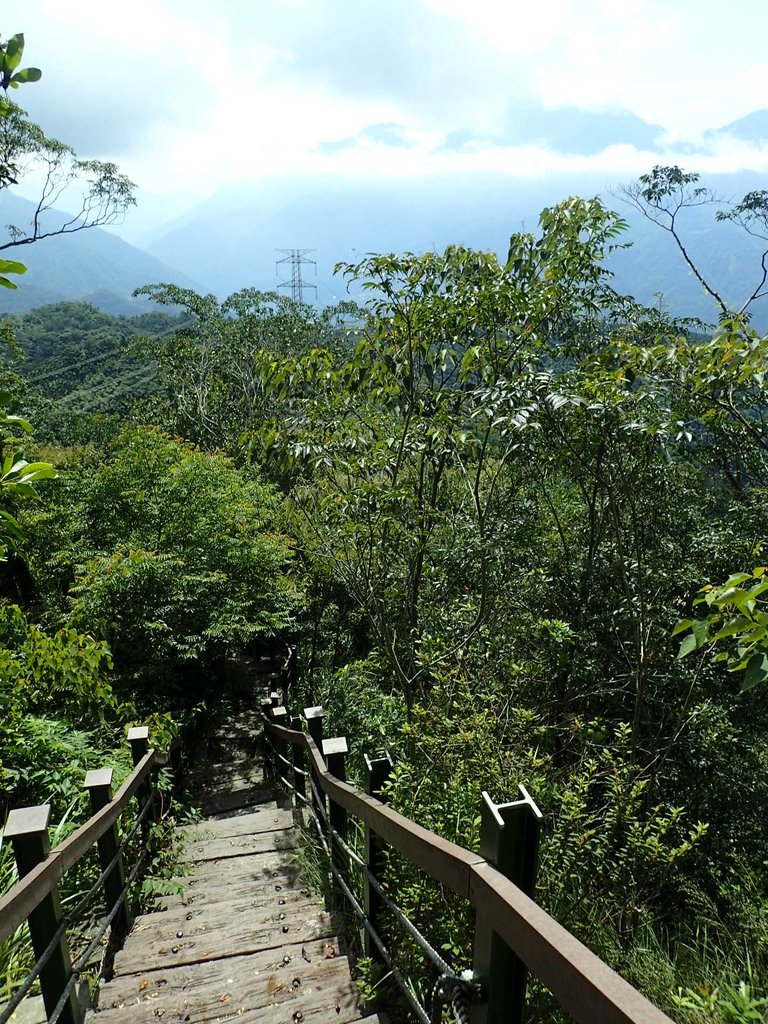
[502, 482]
[173, 561]
[737, 1004]
[737, 617]
[500, 497]
[17, 476]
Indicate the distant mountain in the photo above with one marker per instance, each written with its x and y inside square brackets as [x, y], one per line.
[564, 130]
[92, 266]
[752, 128]
[342, 221]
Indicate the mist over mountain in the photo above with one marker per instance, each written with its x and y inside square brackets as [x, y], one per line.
[235, 238]
[342, 221]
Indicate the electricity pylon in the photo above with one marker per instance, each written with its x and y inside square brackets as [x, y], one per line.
[297, 259]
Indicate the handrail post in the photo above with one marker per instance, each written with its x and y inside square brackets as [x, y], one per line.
[335, 752]
[266, 710]
[509, 839]
[314, 719]
[299, 764]
[279, 717]
[288, 671]
[99, 786]
[377, 771]
[27, 829]
[138, 739]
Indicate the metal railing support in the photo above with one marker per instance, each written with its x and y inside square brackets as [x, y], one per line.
[99, 786]
[509, 840]
[377, 771]
[27, 829]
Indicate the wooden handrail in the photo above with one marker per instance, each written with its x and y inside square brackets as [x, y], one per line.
[21, 900]
[585, 987]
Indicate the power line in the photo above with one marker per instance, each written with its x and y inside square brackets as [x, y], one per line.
[61, 371]
[297, 259]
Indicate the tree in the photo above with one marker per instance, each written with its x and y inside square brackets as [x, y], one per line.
[24, 147]
[172, 557]
[662, 195]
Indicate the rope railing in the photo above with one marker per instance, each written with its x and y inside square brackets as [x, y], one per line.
[35, 898]
[513, 936]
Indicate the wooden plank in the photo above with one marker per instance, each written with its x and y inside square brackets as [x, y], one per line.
[215, 773]
[265, 819]
[249, 869]
[292, 978]
[215, 802]
[29, 1011]
[283, 881]
[200, 916]
[166, 945]
[211, 895]
[238, 846]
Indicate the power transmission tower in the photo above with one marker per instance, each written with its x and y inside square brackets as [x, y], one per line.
[297, 258]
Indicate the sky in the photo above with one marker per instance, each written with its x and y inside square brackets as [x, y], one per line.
[191, 96]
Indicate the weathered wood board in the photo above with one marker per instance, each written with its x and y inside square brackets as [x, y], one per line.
[294, 978]
[262, 819]
[220, 849]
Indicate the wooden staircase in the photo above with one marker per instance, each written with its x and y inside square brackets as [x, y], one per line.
[245, 941]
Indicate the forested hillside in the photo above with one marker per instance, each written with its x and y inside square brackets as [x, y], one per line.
[482, 501]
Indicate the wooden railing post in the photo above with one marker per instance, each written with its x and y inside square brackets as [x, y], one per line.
[265, 705]
[299, 764]
[314, 719]
[99, 786]
[138, 739]
[27, 829]
[509, 839]
[377, 771]
[335, 753]
[279, 717]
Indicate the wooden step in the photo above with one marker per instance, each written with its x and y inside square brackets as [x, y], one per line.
[272, 986]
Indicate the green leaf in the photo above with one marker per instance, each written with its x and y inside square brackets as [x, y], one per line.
[732, 628]
[756, 671]
[687, 646]
[12, 267]
[682, 625]
[697, 637]
[737, 579]
[700, 629]
[27, 75]
[14, 48]
[17, 421]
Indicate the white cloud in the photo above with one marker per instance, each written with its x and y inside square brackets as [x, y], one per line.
[190, 94]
